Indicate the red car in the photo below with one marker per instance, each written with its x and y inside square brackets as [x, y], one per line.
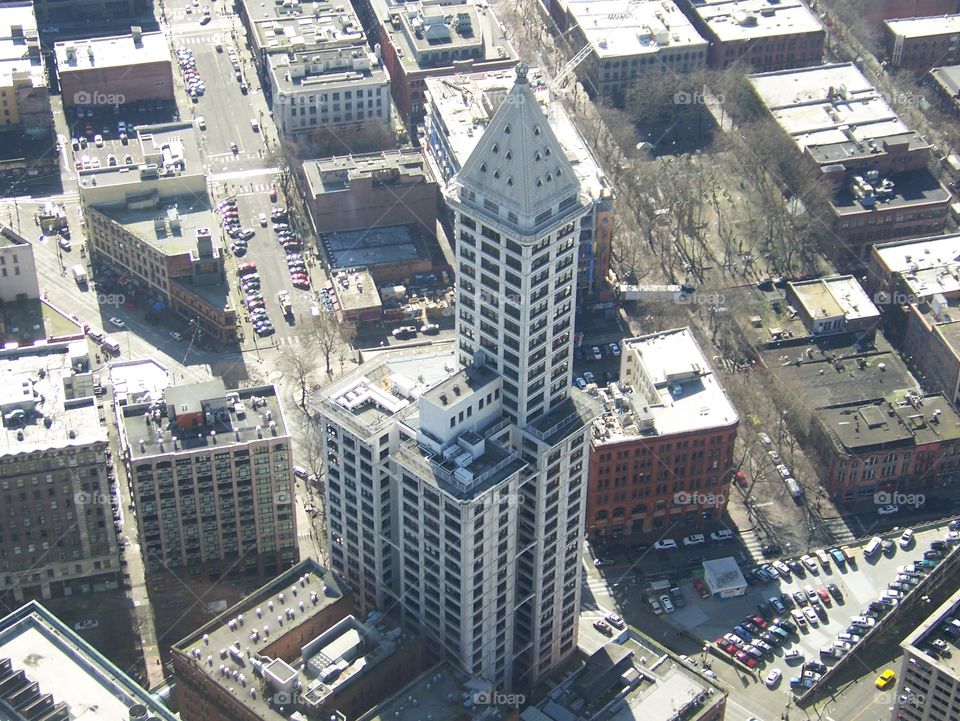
[751, 662]
[245, 268]
[759, 620]
[701, 588]
[825, 596]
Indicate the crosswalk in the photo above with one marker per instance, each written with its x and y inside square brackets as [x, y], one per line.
[198, 39]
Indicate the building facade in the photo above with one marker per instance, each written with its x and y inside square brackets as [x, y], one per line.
[57, 538]
[922, 43]
[662, 453]
[759, 34]
[459, 108]
[24, 86]
[211, 472]
[18, 269]
[475, 525]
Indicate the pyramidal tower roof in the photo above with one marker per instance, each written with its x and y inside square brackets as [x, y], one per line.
[518, 163]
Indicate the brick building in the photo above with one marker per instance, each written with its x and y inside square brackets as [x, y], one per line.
[919, 44]
[662, 452]
[875, 12]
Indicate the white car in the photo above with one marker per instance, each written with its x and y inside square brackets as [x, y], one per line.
[254, 125]
[783, 568]
[665, 544]
[709, 674]
[792, 655]
[888, 510]
[589, 377]
[201, 122]
[176, 335]
[724, 534]
[906, 538]
[98, 139]
[666, 603]
[953, 537]
[811, 616]
[764, 439]
[117, 323]
[581, 383]
[773, 677]
[263, 219]
[695, 540]
[614, 620]
[808, 561]
[783, 470]
[655, 605]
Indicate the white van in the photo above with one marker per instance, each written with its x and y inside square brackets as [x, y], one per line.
[111, 344]
[872, 547]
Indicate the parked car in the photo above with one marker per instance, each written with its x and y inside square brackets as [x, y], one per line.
[773, 678]
[693, 540]
[809, 563]
[665, 544]
[603, 628]
[885, 679]
[667, 603]
[906, 538]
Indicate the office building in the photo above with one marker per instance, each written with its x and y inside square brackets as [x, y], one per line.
[24, 88]
[631, 40]
[432, 38]
[211, 477]
[102, 73]
[459, 108]
[18, 270]
[152, 227]
[764, 35]
[876, 165]
[928, 682]
[922, 43]
[661, 455]
[474, 524]
[49, 672]
[57, 538]
[295, 645]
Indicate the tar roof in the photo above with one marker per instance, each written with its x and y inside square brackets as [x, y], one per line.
[444, 693]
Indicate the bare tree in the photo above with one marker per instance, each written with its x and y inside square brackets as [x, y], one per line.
[329, 335]
[299, 362]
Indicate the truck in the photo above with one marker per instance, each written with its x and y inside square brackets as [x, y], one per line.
[795, 491]
[79, 274]
[649, 292]
[283, 297]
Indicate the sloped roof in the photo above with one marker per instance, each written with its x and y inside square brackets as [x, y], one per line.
[519, 163]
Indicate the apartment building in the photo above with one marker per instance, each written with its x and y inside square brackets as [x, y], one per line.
[922, 43]
[661, 455]
[211, 477]
[150, 221]
[113, 71]
[765, 35]
[454, 488]
[49, 672]
[928, 683]
[57, 537]
[876, 165]
[24, 87]
[432, 38]
[459, 109]
[18, 269]
[631, 40]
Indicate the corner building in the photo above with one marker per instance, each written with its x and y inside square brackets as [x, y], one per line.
[472, 519]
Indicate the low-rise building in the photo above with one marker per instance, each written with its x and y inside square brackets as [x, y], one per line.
[899, 443]
[18, 269]
[49, 672]
[373, 190]
[875, 12]
[763, 34]
[392, 254]
[631, 679]
[921, 43]
[929, 676]
[631, 40]
[293, 646]
[433, 38]
[877, 166]
[836, 304]
[211, 476]
[661, 455]
[151, 224]
[24, 88]
[114, 71]
[354, 296]
[946, 81]
[459, 108]
[53, 448]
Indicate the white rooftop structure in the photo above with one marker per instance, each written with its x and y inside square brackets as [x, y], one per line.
[615, 28]
[724, 577]
[465, 103]
[666, 386]
[927, 267]
[835, 296]
[117, 51]
[733, 20]
[20, 45]
[925, 26]
[138, 381]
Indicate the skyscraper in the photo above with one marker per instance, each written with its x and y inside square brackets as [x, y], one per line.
[465, 507]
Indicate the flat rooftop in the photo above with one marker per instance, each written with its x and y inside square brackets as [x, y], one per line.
[443, 693]
[333, 175]
[838, 295]
[20, 50]
[830, 110]
[172, 227]
[666, 387]
[948, 77]
[313, 70]
[388, 245]
[902, 419]
[64, 665]
[244, 631]
[466, 103]
[920, 641]
[26, 375]
[911, 187]
[111, 52]
[617, 29]
[915, 255]
[243, 423]
[737, 20]
[924, 27]
[279, 27]
[138, 381]
[570, 416]
[355, 290]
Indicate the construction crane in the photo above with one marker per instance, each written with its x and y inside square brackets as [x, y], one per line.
[558, 85]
